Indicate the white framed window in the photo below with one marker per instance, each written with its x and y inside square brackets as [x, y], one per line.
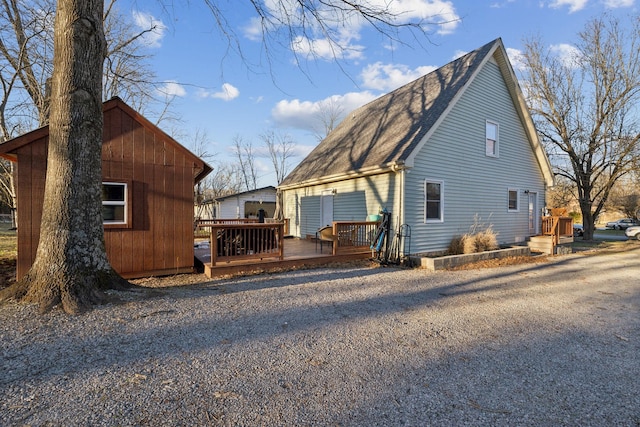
[115, 203]
[433, 200]
[492, 146]
[513, 198]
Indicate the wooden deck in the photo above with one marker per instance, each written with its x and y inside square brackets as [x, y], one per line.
[298, 253]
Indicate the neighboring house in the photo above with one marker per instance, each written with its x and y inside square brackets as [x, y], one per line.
[149, 180]
[453, 147]
[240, 205]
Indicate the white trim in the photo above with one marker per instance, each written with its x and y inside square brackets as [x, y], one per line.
[496, 142]
[533, 213]
[124, 203]
[441, 183]
[517, 191]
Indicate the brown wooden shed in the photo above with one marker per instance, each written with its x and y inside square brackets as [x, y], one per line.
[148, 182]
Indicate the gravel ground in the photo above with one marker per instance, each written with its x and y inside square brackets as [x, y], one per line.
[551, 344]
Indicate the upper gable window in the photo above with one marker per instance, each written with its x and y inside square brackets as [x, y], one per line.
[492, 139]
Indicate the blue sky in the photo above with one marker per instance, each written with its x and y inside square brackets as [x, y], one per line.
[218, 93]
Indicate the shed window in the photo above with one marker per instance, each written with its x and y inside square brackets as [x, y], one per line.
[433, 197]
[513, 200]
[492, 139]
[114, 203]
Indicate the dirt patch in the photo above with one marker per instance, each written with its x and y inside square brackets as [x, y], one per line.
[502, 262]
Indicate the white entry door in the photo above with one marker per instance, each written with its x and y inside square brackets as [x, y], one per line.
[326, 209]
[534, 215]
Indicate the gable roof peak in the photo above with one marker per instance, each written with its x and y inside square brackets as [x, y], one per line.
[386, 131]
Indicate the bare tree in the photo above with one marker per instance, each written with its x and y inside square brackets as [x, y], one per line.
[26, 66]
[281, 150]
[226, 179]
[71, 265]
[584, 106]
[26, 63]
[330, 113]
[246, 156]
[562, 194]
[26, 54]
[625, 198]
[8, 188]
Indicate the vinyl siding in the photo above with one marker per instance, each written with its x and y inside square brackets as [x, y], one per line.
[475, 185]
[353, 200]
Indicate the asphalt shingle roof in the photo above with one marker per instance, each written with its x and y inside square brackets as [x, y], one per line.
[388, 129]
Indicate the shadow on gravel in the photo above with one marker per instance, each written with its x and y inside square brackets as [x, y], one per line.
[553, 361]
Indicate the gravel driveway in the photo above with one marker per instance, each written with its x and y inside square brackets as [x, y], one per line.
[547, 344]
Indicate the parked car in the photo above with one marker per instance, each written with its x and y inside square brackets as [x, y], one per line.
[633, 232]
[622, 224]
[578, 230]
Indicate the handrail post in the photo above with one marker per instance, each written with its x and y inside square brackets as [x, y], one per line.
[281, 240]
[214, 246]
[334, 246]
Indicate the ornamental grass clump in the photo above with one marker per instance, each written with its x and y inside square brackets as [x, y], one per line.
[478, 239]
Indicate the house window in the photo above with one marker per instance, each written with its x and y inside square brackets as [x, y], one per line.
[492, 139]
[514, 203]
[433, 196]
[114, 203]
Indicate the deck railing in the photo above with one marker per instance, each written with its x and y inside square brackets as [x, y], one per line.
[286, 224]
[201, 229]
[243, 241]
[557, 226]
[353, 236]
[201, 224]
[215, 221]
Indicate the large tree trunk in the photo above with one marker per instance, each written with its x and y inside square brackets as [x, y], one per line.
[587, 220]
[71, 265]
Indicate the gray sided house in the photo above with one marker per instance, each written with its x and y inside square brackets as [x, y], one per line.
[452, 148]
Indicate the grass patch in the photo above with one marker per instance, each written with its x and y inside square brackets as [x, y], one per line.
[8, 243]
[8, 255]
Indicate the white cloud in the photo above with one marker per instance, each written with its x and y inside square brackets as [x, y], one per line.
[439, 13]
[516, 58]
[567, 54]
[379, 77]
[325, 49]
[253, 30]
[387, 77]
[155, 28]
[341, 27]
[228, 92]
[499, 5]
[307, 115]
[614, 4]
[459, 54]
[172, 88]
[574, 5]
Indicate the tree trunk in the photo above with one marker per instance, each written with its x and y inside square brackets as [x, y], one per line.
[71, 265]
[587, 220]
